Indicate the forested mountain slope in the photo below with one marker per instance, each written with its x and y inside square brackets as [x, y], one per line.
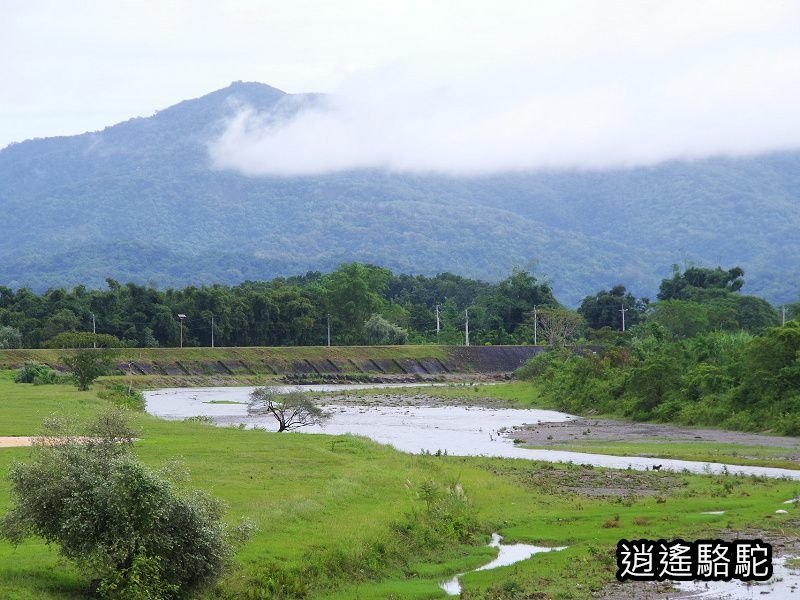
[139, 201]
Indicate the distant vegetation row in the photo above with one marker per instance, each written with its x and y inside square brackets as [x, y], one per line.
[700, 356]
[363, 304]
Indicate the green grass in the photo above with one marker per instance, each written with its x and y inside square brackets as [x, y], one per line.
[23, 407]
[732, 454]
[250, 354]
[330, 507]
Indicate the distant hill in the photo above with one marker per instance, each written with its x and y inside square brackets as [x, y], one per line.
[138, 201]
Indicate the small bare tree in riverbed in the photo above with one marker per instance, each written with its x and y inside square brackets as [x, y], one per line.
[292, 410]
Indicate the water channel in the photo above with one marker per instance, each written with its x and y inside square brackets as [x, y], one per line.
[507, 554]
[458, 430]
[461, 431]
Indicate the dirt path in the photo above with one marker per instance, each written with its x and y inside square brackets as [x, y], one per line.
[16, 441]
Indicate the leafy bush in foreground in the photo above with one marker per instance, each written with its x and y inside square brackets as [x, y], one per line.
[130, 529]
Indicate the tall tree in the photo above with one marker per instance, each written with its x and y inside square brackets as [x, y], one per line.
[698, 283]
[604, 309]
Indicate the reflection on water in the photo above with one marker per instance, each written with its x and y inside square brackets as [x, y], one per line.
[458, 430]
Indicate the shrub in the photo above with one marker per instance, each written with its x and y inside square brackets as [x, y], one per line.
[88, 365]
[82, 339]
[39, 374]
[123, 396]
[379, 331]
[130, 529]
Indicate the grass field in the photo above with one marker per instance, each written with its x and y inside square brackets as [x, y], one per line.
[331, 516]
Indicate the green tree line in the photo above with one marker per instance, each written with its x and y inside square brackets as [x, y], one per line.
[362, 303]
[366, 304]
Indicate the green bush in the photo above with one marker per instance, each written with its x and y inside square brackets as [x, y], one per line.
[131, 530]
[39, 374]
[82, 339]
[722, 379]
[123, 396]
[88, 365]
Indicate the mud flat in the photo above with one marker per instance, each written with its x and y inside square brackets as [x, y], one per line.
[604, 430]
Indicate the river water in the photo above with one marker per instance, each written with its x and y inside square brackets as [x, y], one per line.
[462, 431]
[458, 430]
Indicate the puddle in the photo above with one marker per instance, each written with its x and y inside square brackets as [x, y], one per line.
[713, 512]
[783, 585]
[458, 430]
[508, 554]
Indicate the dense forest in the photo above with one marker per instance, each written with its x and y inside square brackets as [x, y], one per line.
[701, 355]
[140, 201]
[365, 304]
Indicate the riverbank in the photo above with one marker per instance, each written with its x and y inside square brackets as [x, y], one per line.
[625, 438]
[334, 512]
[300, 364]
[593, 435]
[410, 419]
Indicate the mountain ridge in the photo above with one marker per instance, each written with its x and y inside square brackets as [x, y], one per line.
[147, 182]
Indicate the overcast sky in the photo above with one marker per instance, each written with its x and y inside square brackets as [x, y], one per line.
[458, 86]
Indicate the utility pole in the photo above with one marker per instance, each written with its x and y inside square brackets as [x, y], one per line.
[466, 327]
[94, 332]
[783, 316]
[623, 310]
[130, 376]
[535, 327]
[212, 330]
[181, 317]
[438, 328]
[329, 330]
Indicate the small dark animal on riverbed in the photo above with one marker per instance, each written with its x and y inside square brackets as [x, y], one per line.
[657, 467]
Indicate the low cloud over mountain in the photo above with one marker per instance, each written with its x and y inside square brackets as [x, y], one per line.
[600, 86]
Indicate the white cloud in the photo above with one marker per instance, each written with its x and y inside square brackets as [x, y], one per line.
[466, 86]
[567, 85]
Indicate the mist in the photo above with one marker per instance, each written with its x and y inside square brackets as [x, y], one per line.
[601, 87]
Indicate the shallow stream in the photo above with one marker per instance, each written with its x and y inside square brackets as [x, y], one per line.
[462, 431]
[507, 554]
[457, 430]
